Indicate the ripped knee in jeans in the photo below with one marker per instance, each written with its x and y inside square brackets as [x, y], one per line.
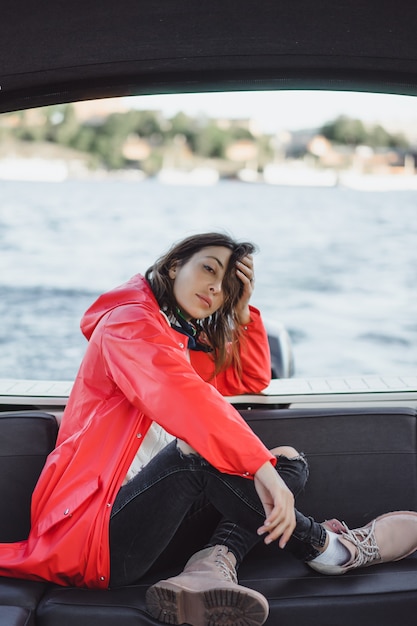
[288, 452]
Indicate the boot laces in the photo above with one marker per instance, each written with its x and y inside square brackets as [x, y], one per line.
[226, 566]
[365, 543]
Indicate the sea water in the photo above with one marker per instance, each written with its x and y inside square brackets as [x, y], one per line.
[336, 267]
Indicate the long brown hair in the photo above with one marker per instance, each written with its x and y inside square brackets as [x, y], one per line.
[222, 328]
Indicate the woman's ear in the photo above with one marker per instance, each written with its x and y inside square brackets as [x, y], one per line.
[172, 272]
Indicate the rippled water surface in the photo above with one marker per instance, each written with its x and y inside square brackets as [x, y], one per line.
[337, 267]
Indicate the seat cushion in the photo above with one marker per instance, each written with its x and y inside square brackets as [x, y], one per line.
[84, 607]
[23, 593]
[381, 594]
[373, 596]
[16, 616]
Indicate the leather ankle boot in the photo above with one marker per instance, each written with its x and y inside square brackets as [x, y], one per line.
[207, 593]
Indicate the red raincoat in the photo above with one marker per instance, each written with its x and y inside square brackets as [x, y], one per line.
[135, 371]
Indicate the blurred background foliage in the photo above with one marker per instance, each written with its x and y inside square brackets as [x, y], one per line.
[146, 139]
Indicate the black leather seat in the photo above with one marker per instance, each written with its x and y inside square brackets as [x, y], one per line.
[363, 463]
[26, 439]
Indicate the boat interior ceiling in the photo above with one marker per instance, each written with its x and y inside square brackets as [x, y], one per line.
[68, 50]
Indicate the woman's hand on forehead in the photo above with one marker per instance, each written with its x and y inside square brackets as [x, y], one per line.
[246, 274]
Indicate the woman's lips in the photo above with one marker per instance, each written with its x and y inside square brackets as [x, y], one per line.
[205, 299]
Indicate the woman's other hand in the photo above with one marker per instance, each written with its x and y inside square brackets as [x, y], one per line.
[278, 503]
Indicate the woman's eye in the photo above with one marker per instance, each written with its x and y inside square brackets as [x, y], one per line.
[209, 268]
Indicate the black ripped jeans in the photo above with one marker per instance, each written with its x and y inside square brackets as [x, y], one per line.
[179, 504]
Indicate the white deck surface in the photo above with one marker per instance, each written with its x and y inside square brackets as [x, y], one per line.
[297, 392]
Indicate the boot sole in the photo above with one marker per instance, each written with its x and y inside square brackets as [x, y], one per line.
[219, 606]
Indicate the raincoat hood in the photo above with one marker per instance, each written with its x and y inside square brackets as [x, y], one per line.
[136, 291]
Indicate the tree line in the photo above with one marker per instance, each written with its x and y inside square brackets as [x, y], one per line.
[104, 139]
[353, 132]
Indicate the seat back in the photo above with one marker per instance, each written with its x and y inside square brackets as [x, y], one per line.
[26, 439]
[363, 461]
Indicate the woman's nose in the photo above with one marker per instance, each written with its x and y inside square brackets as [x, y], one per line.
[216, 287]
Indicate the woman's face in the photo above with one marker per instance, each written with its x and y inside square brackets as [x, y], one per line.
[198, 283]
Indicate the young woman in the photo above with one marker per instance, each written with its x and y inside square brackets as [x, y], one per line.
[149, 450]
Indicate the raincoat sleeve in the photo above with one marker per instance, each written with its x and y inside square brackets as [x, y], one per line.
[147, 361]
[255, 358]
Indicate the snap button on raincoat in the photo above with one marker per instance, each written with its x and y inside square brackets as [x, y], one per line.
[134, 372]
